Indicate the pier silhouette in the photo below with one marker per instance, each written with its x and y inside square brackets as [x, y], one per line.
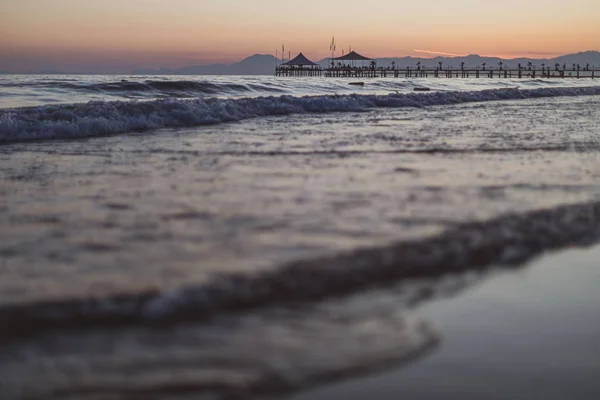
[347, 66]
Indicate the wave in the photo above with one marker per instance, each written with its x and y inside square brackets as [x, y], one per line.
[103, 118]
[150, 87]
[508, 240]
[264, 354]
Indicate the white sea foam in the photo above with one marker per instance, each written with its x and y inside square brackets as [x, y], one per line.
[103, 118]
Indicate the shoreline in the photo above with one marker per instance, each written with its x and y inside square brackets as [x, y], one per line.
[528, 333]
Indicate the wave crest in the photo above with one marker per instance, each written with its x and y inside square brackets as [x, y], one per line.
[104, 118]
[151, 87]
[507, 240]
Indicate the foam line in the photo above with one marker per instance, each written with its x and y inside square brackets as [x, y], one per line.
[508, 240]
[99, 118]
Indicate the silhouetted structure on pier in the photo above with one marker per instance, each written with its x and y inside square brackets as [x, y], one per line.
[345, 67]
[339, 69]
[299, 66]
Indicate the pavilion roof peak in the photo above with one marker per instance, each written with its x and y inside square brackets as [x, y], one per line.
[300, 60]
[353, 56]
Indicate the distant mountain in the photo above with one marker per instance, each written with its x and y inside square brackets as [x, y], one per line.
[473, 60]
[45, 72]
[263, 64]
[258, 64]
[591, 57]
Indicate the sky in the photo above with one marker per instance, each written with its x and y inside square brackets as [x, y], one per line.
[122, 35]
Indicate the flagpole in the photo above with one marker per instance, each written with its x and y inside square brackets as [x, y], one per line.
[332, 47]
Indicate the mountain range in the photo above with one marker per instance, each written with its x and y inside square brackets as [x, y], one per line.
[263, 64]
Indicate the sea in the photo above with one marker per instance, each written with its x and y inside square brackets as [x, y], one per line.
[219, 237]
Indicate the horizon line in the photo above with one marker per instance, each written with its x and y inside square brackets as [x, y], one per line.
[53, 71]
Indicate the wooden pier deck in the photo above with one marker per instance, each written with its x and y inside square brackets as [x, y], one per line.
[299, 71]
[385, 72]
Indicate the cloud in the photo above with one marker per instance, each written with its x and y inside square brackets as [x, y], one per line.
[535, 53]
[441, 53]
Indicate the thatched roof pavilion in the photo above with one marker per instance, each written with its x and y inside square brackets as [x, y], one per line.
[353, 56]
[299, 66]
[299, 61]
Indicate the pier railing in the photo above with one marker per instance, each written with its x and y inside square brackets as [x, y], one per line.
[297, 71]
[439, 72]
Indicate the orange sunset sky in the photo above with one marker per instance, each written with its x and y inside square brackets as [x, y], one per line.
[120, 35]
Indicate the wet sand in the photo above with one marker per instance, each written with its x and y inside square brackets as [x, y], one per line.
[528, 334]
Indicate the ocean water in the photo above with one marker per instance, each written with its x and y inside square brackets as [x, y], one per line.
[223, 237]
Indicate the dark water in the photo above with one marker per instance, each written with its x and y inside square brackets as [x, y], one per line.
[231, 246]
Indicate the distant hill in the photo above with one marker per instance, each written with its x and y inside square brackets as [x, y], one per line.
[258, 64]
[473, 60]
[591, 57]
[45, 72]
[263, 64]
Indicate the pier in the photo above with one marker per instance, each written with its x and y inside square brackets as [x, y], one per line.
[299, 66]
[391, 72]
[345, 67]
[298, 72]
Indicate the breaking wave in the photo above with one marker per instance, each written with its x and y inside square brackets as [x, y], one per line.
[104, 118]
[151, 87]
[508, 240]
